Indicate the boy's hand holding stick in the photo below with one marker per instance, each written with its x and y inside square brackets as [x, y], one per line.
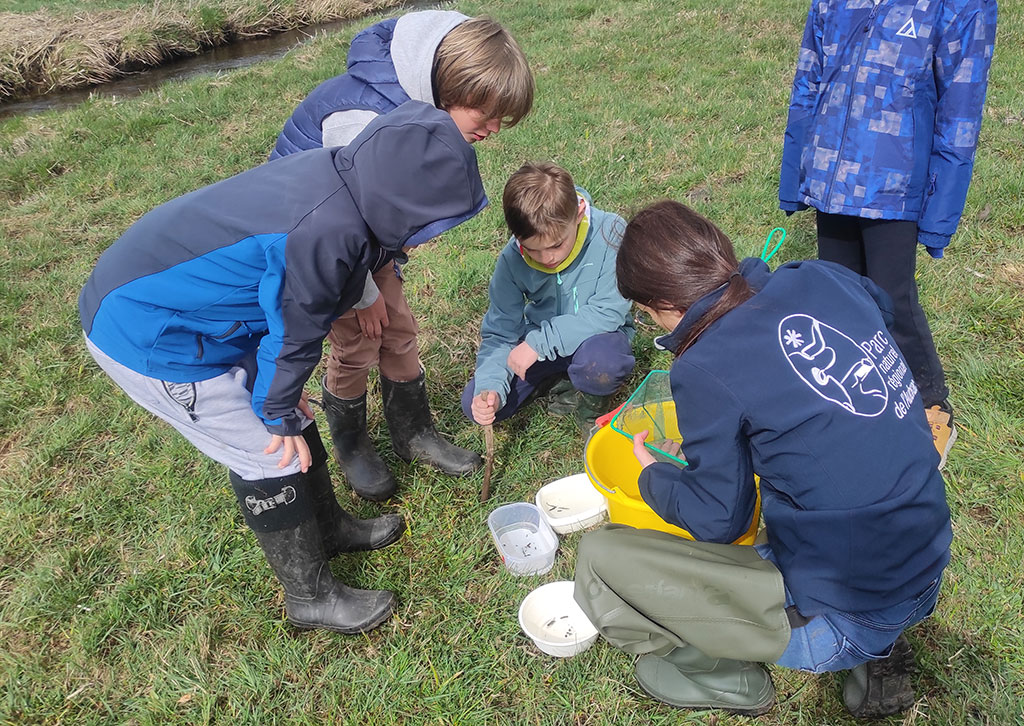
[484, 408]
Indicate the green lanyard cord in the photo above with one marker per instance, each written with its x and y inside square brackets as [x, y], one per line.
[768, 240]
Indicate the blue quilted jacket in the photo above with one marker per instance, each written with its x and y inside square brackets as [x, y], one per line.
[885, 111]
[370, 84]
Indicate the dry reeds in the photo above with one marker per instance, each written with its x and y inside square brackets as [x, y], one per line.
[44, 51]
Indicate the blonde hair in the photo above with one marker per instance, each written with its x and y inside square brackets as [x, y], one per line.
[479, 65]
[539, 199]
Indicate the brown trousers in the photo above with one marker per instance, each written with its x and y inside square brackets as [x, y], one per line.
[396, 352]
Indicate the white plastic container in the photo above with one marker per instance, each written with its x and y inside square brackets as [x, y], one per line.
[553, 620]
[571, 504]
[525, 541]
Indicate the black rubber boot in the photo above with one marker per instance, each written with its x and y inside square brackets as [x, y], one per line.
[279, 511]
[339, 530]
[313, 597]
[413, 435]
[881, 687]
[687, 678]
[362, 466]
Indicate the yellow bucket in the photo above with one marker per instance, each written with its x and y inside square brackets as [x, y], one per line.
[613, 470]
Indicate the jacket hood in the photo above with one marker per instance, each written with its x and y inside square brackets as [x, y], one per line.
[413, 46]
[411, 175]
[754, 270]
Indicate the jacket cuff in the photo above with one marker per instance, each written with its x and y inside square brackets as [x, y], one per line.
[790, 207]
[535, 340]
[290, 425]
[934, 243]
[499, 387]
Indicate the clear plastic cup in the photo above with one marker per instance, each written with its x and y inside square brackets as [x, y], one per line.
[525, 541]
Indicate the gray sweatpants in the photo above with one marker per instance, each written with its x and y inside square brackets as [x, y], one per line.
[650, 592]
[215, 415]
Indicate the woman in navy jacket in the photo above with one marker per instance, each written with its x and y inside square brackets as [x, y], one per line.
[793, 375]
[883, 122]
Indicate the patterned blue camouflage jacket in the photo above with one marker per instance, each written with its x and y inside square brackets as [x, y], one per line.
[885, 111]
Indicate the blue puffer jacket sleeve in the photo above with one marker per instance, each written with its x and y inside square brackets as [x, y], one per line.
[714, 496]
[962, 59]
[802, 103]
[501, 330]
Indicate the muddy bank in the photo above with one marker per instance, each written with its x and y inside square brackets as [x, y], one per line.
[42, 51]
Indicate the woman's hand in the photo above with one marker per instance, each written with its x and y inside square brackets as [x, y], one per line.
[640, 451]
[374, 319]
[485, 407]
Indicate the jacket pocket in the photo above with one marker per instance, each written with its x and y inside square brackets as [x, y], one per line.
[220, 336]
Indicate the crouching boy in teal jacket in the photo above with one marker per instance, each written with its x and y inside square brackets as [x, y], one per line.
[556, 319]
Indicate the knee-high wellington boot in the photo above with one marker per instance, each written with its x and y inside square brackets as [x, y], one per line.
[687, 678]
[339, 530]
[280, 513]
[413, 435]
[362, 466]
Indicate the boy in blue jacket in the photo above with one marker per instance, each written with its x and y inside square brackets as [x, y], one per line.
[555, 309]
[473, 69]
[883, 123]
[211, 312]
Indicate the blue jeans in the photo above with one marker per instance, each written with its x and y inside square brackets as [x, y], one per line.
[599, 366]
[838, 641]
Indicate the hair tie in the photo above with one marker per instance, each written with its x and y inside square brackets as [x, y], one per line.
[735, 274]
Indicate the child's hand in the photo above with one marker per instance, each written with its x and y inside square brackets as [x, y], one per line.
[521, 358]
[640, 451]
[374, 319]
[293, 446]
[484, 407]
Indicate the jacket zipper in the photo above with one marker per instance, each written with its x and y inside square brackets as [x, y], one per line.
[199, 338]
[558, 296]
[868, 26]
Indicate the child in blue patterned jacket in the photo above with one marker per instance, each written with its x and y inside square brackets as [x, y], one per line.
[883, 123]
[555, 311]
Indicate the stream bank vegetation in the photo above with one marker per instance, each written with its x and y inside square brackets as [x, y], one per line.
[61, 47]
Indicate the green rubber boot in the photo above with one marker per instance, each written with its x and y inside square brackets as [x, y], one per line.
[687, 678]
[585, 408]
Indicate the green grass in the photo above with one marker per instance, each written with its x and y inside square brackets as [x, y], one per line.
[132, 592]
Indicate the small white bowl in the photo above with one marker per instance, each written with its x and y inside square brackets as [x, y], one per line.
[553, 620]
[571, 504]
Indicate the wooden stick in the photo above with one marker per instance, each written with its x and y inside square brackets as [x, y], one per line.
[485, 491]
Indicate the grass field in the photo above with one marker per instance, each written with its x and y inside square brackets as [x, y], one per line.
[131, 590]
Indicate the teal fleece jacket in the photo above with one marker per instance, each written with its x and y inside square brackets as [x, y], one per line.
[553, 312]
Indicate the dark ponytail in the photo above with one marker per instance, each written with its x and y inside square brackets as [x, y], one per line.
[671, 256]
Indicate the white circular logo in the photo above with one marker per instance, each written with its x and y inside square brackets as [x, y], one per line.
[833, 365]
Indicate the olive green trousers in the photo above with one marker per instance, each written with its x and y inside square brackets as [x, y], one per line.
[650, 592]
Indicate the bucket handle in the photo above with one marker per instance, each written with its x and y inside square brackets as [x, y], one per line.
[593, 479]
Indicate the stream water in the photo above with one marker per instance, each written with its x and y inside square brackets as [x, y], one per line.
[223, 58]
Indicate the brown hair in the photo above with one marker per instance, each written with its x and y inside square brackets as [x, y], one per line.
[671, 256]
[479, 65]
[539, 199]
